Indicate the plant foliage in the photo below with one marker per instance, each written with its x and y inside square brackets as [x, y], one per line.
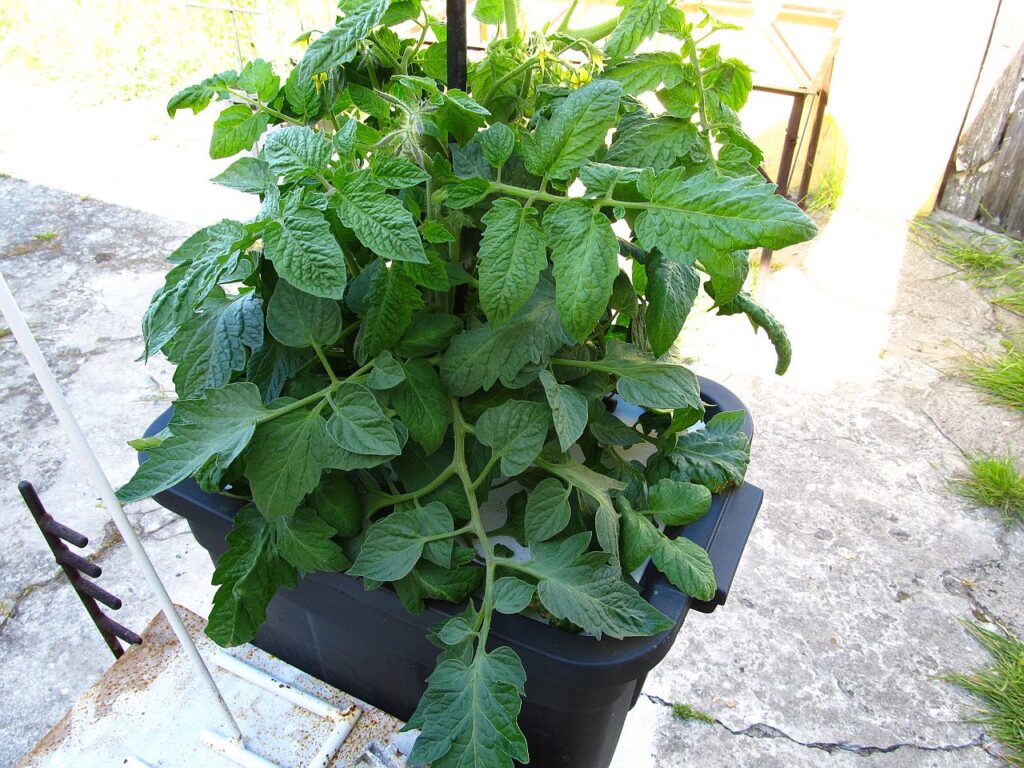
[427, 304]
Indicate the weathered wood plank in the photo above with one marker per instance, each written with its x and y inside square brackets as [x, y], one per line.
[981, 140]
[1002, 203]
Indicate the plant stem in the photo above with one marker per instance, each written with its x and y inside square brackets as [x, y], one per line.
[315, 397]
[264, 108]
[389, 499]
[702, 111]
[511, 18]
[535, 194]
[325, 363]
[462, 470]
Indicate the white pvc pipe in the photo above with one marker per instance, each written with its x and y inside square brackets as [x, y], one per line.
[233, 750]
[29, 348]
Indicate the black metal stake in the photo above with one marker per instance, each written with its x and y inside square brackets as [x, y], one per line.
[456, 11]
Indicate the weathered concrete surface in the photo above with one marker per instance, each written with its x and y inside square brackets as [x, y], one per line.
[850, 596]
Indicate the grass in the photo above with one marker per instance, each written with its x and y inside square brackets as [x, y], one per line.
[1000, 691]
[45, 236]
[1000, 375]
[993, 481]
[986, 259]
[686, 712]
[830, 189]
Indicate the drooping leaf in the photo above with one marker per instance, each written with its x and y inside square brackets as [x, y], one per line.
[379, 220]
[585, 590]
[547, 510]
[467, 716]
[512, 595]
[246, 174]
[395, 543]
[428, 334]
[576, 129]
[515, 431]
[568, 409]
[728, 272]
[212, 345]
[338, 45]
[584, 251]
[647, 382]
[686, 565]
[671, 291]
[304, 540]
[236, 130]
[296, 151]
[639, 537]
[298, 319]
[306, 254]
[422, 405]
[761, 318]
[285, 460]
[197, 97]
[272, 365]
[511, 256]
[428, 580]
[336, 502]
[676, 503]
[249, 572]
[716, 456]
[218, 426]
[707, 213]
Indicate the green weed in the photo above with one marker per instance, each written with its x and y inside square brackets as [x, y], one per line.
[993, 481]
[45, 236]
[1000, 375]
[1000, 691]
[686, 712]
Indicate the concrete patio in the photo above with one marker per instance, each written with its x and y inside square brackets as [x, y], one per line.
[849, 600]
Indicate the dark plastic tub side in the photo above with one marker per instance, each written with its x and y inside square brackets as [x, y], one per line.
[578, 690]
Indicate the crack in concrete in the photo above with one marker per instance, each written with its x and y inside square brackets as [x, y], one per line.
[765, 731]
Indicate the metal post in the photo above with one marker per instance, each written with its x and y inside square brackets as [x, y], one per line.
[48, 383]
[456, 12]
[785, 167]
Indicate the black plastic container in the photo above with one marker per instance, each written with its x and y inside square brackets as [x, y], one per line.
[578, 689]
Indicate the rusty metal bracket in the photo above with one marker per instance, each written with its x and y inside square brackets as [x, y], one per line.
[74, 566]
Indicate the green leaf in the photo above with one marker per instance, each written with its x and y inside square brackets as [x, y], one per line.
[387, 372]
[428, 334]
[306, 254]
[690, 218]
[609, 429]
[433, 275]
[515, 431]
[728, 272]
[249, 573]
[671, 291]
[205, 259]
[676, 503]
[236, 130]
[258, 77]
[646, 382]
[547, 510]
[423, 406]
[296, 151]
[197, 97]
[336, 502]
[497, 142]
[272, 366]
[511, 256]
[583, 589]
[584, 251]
[285, 460]
[639, 537]
[428, 580]
[731, 82]
[395, 172]
[489, 11]
[576, 129]
[436, 232]
[211, 347]
[246, 174]
[601, 179]
[477, 358]
[638, 22]
[657, 143]
[466, 193]
[302, 95]
[359, 424]
[686, 565]
[395, 543]
[379, 220]
[512, 595]
[647, 72]
[716, 456]
[467, 716]
[218, 426]
[339, 44]
[297, 319]
[304, 540]
[391, 299]
[568, 410]
[761, 318]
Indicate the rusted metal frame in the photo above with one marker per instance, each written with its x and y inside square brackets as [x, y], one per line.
[786, 162]
[818, 123]
[73, 565]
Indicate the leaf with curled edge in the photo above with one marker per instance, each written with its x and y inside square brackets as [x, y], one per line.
[512, 254]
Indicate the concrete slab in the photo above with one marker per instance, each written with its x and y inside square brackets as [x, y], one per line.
[850, 597]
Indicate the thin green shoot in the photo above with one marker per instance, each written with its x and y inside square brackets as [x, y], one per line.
[1000, 375]
[993, 481]
[686, 712]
